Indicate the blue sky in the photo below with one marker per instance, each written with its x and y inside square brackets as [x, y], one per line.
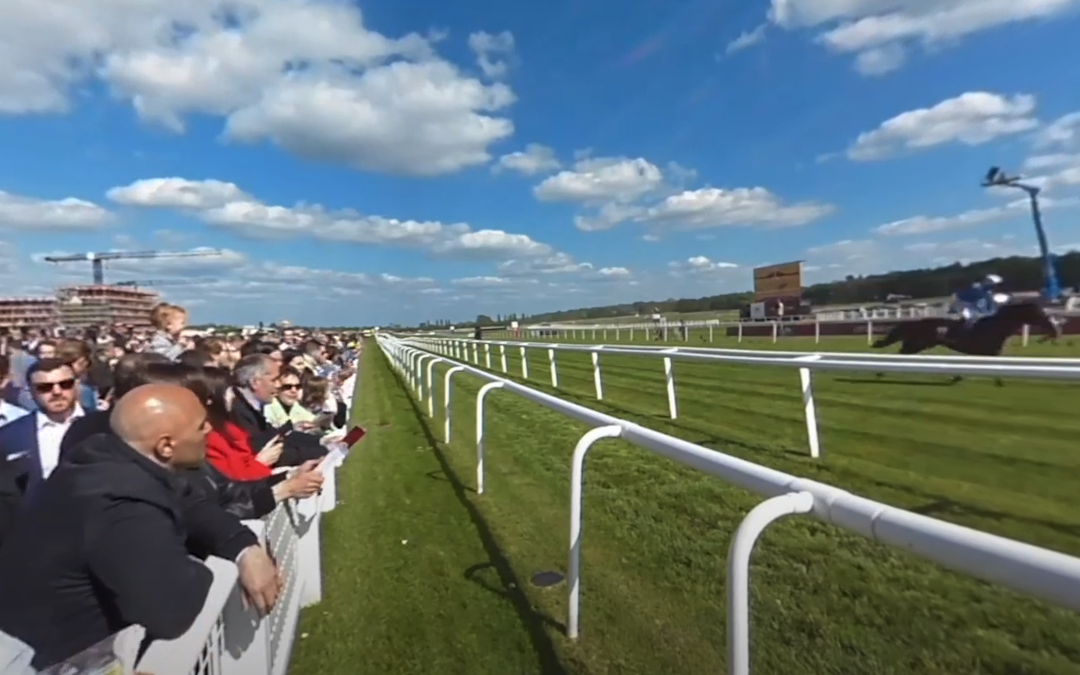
[413, 160]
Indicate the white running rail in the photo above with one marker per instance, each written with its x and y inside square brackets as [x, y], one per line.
[804, 362]
[1048, 575]
[673, 331]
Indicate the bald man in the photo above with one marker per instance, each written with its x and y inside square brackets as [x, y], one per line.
[104, 543]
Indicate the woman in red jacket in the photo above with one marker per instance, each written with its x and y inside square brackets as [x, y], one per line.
[228, 447]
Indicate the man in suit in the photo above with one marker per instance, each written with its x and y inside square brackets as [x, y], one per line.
[256, 378]
[30, 445]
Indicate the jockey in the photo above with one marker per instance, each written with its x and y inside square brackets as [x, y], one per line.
[978, 300]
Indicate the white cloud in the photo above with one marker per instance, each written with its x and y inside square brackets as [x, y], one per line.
[746, 40]
[534, 160]
[1063, 132]
[864, 26]
[558, 263]
[489, 48]
[699, 264]
[69, 214]
[177, 193]
[972, 118]
[715, 207]
[619, 189]
[602, 179]
[880, 60]
[227, 206]
[305, 74]
[927, 224]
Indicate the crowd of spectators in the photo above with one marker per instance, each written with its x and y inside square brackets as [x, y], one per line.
[128, 454]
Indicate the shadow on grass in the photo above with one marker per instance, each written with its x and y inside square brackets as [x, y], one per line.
[707, 438]
[897, 383]
[511, 590]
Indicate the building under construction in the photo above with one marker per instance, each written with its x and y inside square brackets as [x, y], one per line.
[83, 306]
[18, 313]
[80, 307]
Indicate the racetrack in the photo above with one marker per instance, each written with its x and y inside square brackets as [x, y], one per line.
[656, 534]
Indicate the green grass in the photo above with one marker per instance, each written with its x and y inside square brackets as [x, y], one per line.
[656, 534]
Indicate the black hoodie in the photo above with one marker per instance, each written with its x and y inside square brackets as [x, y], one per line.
[103, 544]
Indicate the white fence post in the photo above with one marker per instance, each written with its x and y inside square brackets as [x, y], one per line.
[446, 401]
[596, 376]
[809, 409]
[738, 576]
[669, 376]
[487, 356]
[554, 369]
[524, 364]
[480, 396]
[502, 356]
[577, 471]
[430, 387]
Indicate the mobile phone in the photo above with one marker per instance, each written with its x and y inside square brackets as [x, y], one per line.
[354, 436]
[285, 429]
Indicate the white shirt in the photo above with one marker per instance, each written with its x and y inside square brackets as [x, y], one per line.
[49, 435]
[10, 413]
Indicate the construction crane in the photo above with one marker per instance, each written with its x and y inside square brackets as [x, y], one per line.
[97, 260]
[159, 282]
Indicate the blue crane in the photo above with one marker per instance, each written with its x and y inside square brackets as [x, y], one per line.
[1051, 290]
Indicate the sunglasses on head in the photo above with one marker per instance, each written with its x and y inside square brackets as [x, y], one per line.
[46, 387]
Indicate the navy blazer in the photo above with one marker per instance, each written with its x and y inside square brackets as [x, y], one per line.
[20, 455]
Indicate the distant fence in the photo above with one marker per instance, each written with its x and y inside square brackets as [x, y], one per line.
[805, 362]
[1051, 576]
[776, 330]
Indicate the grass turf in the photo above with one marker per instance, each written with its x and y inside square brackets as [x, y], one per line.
[656, 534]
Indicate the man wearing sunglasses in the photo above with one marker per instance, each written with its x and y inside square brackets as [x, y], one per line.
[30, 446]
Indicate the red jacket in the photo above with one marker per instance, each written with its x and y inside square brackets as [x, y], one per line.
[229, 451]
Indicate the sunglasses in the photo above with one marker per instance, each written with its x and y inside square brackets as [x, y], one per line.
[289, 387]
[46, 387]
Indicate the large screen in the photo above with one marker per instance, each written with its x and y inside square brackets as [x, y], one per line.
[778, 281]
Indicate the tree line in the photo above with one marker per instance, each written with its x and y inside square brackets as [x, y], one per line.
[1020, 274]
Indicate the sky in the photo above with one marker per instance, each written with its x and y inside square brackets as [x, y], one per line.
[398, 161]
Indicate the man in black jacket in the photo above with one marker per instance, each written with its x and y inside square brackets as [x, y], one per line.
[245, 499]
[256, 378]
[104, 542]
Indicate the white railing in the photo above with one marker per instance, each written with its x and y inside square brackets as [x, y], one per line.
[673, 331]
[1048, 575]
[228, 637]
[804, 362]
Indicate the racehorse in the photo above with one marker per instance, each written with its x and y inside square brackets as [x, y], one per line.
[985, 337]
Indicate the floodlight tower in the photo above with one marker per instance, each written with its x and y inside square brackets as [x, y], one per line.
[995, 177]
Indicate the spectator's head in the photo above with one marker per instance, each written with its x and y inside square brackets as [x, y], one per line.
[76, 354]
[196, 358]
[46, 349]
[293, 358]
[165, 422]
[168, 318]
[216, 349]
[53, 386]
[217, 382]
[130, 371]
[258, 373]
[289, 386]
[316, 390]
[313, 349]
